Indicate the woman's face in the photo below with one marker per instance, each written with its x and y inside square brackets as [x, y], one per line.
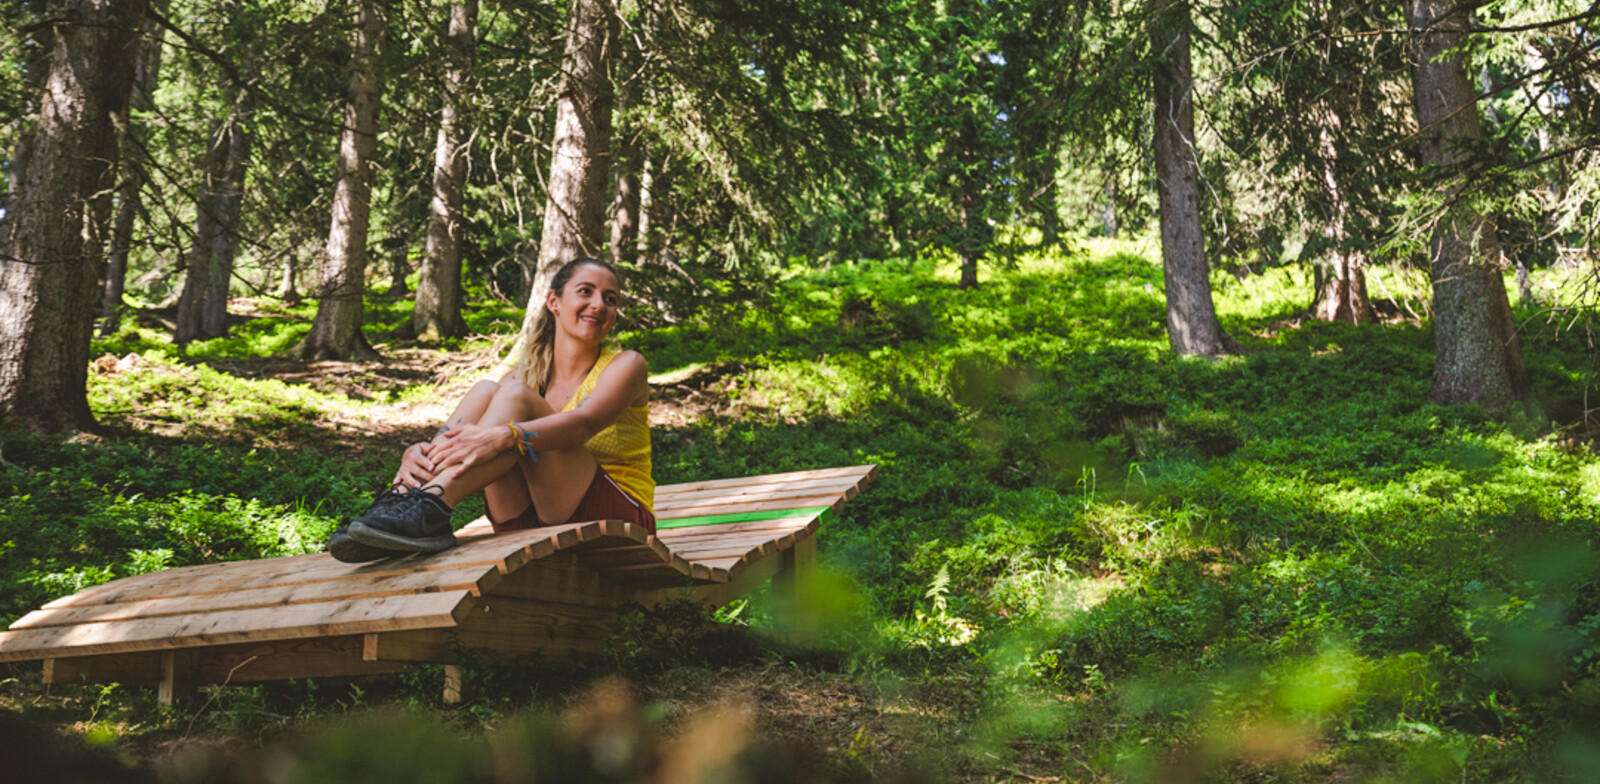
[587, 307]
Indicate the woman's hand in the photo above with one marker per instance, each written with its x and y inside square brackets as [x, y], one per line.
[470, 445]
[416, 469]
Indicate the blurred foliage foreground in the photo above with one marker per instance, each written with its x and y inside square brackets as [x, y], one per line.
[1085, 560]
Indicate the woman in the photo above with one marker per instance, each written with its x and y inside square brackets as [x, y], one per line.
[562, 436]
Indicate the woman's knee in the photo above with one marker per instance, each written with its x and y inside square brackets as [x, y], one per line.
[515, 394]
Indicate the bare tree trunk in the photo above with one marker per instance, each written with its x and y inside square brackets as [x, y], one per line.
[1192, 326]
[134, 177]
[1108, 213]
[574, 218]
[225, 243]
[52, 240]
[202, 264]
[1343, 293]
[969, 250]
[1477, 358]
[336, 330]
[437, 314]
[625, 218]
[287, 290]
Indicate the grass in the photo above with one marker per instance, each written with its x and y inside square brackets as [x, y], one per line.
[1084, 559]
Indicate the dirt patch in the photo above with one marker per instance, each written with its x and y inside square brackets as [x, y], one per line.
[683, 398]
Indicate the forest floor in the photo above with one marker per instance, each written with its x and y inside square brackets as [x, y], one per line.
[1083, 560]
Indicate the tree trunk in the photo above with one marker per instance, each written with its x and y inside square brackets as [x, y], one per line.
[1108, 213]
[1343, 293]
[969, 250]
[399, 248]
[52, 239]
[202, 262]
[134, 177]
[1192, 326]
[437, 314]
[287, 290]
[630, 150]
[336, 330]
[225, 243]
[574, 218]
[1477, 357]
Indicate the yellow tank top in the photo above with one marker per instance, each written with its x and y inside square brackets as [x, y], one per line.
[623, 449]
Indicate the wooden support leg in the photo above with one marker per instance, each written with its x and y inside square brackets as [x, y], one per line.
[180, 669]
[455, 684]
[791, 584]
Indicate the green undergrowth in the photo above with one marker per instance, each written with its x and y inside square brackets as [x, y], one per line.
[1110, 563]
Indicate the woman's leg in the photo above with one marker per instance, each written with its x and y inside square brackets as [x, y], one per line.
[553, 485]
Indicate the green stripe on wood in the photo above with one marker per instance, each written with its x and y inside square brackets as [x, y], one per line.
[745, 517]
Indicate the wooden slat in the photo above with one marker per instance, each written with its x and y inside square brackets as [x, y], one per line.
[785, 526]
[134, 669]
[510, 627]
[815, 487]
[563, 578]
[475, 579]
[792, 499]
[318, 657]
[260, 625]
[760, 542]
[864, 472]
[505, 553]
[833, 502]
[630, 555]
[716, 594]
[727, 564]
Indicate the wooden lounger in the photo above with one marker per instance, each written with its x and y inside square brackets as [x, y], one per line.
[545, 592]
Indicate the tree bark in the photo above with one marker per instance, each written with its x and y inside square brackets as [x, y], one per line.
[202, 263]
[225, 244]
[52, 239]
[437, 314]
[574, 218]
[1477, 358]
[1192, 326]
[625, 205]
[1343, 293]
[129, 200]
[336, 330]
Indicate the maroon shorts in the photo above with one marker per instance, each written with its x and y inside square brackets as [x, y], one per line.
[604, 500]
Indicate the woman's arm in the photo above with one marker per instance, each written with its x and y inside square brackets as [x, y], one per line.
[417, 467]
[623, 384]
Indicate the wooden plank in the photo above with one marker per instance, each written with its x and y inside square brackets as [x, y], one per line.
[795, 499]
[833, 502]
[505, 626]
[716, 594]
[864, 472]
[753, 540]
[726, 564]
[564, 578]
[608, 558]
[259, 625]
[180, 673]
[791, 585]
[846, 486]
[504, 553]
[134, 669]
[476, 579]
[783, 524]
[317, 657]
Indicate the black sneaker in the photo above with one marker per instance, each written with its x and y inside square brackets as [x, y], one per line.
[414, 522]
[348, 550]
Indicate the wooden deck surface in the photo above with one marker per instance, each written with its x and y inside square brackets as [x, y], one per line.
[542, 592]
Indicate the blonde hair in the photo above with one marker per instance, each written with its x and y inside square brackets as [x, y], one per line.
[534, 353]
